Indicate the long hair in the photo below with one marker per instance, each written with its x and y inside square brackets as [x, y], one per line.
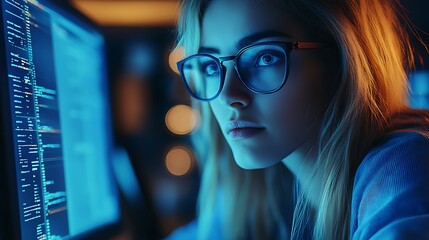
[370, 100]
[248, 203]
[375, 54]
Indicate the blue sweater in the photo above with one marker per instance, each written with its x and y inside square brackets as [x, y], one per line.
[390, 197]
[391, 190]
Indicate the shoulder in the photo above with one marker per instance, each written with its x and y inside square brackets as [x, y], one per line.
[390, 189]
[395, 156]
[401, 151]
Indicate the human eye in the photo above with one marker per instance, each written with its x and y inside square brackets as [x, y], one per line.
[267, 58]
[209, 68]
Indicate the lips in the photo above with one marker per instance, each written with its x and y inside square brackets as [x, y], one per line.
[238, 129]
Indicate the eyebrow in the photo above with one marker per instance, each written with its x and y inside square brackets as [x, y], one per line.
[247, 40]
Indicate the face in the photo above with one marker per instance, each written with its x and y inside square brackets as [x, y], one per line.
[263, 129]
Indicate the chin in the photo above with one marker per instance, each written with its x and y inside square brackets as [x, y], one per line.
[250, 161]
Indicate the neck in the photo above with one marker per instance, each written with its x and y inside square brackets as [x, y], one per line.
[301, 163]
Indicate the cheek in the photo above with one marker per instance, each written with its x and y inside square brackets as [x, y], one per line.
[299, 106]
[309, 84]
[218, 111]
[214, 108]
[291, 121]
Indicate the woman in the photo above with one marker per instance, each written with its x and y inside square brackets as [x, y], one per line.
[320, 87]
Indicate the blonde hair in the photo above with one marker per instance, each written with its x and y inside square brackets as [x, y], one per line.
[371, 95]
[253, 202]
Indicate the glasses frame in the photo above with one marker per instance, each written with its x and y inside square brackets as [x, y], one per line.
[285, 45]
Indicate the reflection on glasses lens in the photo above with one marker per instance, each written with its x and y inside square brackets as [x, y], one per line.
[202, 76]
[263, 67]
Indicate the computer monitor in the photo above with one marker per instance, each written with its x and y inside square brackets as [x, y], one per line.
[56, 140]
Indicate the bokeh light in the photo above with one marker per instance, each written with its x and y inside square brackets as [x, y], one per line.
[176, 55]
[419, 90]
[181, 119]
[130, 12]
[130, 104]
[179, 160]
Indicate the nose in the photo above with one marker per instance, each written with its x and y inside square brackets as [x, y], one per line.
[234, 93]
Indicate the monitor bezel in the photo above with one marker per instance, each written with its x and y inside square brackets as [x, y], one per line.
[9, 209]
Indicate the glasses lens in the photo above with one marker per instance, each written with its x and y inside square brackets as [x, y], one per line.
[263, 67]
[202, 75]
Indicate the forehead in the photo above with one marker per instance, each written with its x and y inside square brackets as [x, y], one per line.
[225, 22]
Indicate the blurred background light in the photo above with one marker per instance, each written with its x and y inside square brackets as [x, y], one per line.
[131, 105]
[142, 58]
[419, 90]
[125, 175]
[181, 119]
[176, 55]
[179, 160]
[130, 12]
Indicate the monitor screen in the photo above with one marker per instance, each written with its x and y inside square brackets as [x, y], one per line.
[57, 135]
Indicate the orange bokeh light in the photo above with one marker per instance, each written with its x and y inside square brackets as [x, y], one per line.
[181, 119]
[179, 160]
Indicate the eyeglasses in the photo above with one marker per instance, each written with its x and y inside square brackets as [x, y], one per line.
[261, 67]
